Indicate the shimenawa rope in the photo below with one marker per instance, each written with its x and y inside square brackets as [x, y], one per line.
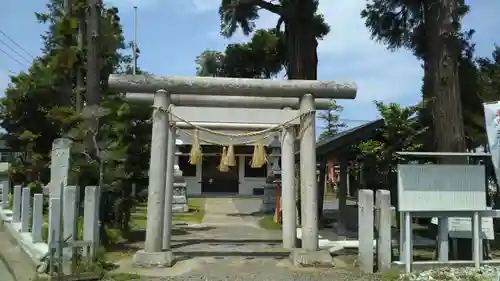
[259, 157]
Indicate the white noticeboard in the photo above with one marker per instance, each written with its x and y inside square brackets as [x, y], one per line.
[462, 228]
[441, 188]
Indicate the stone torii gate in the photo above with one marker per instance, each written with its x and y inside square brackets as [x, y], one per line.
[234, 93]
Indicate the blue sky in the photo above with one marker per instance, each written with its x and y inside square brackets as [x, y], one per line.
[172, 33]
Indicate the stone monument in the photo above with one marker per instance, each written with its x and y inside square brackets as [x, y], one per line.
[180, 200]
[273, 174]
[59, 167]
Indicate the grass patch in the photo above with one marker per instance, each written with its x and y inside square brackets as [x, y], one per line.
[195, 214]
[128, 246]
[267, 222]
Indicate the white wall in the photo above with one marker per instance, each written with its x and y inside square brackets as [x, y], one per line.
[4, 167]
[194, 183]
[246, 184]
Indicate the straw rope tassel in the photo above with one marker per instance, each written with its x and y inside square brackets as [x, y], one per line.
[196, 153]
[259, 157]
[223, 167]
[230, 157]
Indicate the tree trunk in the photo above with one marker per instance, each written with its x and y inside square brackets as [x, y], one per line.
[442, 57]
[301, 41]
[301, 48]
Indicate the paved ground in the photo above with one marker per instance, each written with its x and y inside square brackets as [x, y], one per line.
[232, 211]
[231, 246]
[235, 253]
[14, 264]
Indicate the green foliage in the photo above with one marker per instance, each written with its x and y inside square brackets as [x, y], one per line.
[489, 76]
[36, 110]
[331, 119]
[400, 23]
[401, 132]
[261, 57]
[303, 26]
[480, 82]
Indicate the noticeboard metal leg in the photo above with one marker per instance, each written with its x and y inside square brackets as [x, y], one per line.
[476, 241]
[408, 242]
[443, 239]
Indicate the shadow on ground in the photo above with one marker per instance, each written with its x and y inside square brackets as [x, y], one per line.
[134, 240]
[183, 256]
[254, 214]
[228, 242]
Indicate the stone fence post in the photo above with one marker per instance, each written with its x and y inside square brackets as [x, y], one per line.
[16, 204]
[54, 220]
[90, 216]
[37, 226]
[25, 210]
[70, 225]
[365, 229]
[384, 221]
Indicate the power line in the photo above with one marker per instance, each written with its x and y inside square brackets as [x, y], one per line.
[354, 120]
[15, 52]
[15, 43]
[12, 57]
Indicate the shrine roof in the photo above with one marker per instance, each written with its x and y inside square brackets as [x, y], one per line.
[335, 144]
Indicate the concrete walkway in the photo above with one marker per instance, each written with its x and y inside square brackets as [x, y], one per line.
[230, 248]
[229, 245]
[231, 211]
[237, 253]
[14, 264]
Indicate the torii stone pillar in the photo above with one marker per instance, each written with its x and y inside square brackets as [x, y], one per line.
[169, 190]
[288, 187]
[152, 255]
[308, 174]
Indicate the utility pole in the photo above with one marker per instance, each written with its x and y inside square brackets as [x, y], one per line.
[80, 79]
[93, 52]
[93, 96]
[65, 255]
[134, 43]
[68, 43]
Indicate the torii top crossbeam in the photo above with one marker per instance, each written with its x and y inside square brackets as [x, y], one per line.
[227, 101]
[232, 86]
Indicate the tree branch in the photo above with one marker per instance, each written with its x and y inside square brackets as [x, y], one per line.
[273, 8]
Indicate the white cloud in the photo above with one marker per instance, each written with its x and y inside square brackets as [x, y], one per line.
[203, 6]
[348, 53]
